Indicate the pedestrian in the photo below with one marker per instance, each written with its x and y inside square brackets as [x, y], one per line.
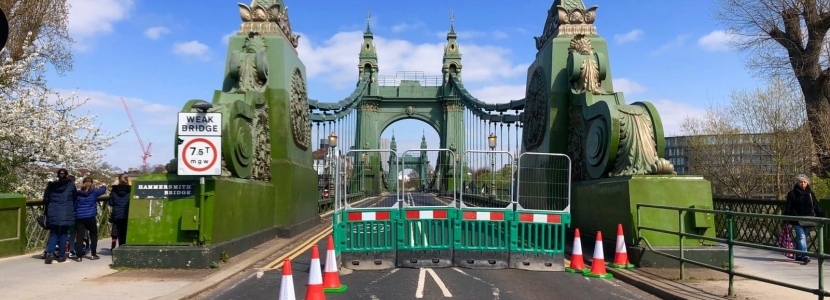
[59, 201]
[120, 203]
[86, 216]
[802, 202]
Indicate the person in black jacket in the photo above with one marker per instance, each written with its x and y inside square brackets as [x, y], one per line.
[59, 200]
[120, 203]
[802, 202]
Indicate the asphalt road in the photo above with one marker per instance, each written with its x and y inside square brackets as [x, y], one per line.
[441, 283]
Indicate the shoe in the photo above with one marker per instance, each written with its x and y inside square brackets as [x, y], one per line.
[49, 259]
[805, 260]
[61, 259]
[43, 255]
[94, 257]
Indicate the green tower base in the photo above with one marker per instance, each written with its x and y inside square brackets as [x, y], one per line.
[173, 224]
[600, 205]
[12, 224]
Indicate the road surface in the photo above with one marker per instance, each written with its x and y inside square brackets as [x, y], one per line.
[439, 283]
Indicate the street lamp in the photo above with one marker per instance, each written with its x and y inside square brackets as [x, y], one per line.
[333, 166]
[491, 140]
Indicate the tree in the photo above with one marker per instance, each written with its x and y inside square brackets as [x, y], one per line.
[755, 144]
[788, 38]
[46, 21]
[40, 129]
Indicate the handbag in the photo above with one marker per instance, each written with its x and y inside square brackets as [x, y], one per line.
[812, 214]
[43, 221]
[785, 239]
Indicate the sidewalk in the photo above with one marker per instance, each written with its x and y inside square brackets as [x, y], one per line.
[708, 284]
[27, 277]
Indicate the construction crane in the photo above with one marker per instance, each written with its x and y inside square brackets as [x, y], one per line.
[145, 152]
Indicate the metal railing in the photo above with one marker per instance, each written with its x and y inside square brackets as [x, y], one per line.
[36, 236]
[730, 241]
[763, 231]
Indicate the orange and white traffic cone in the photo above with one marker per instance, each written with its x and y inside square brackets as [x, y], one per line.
[598, 262]
[314, 290]
[331, 277]
[577, 261]
[621, 254]
[287, 284]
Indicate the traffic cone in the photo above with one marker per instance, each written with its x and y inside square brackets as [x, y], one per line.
[314, 290]
[577, 261]
[331, 278]
[621, 254]
[598, 263]
[287, 284]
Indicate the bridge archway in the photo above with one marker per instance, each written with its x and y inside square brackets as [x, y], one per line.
[405, 137]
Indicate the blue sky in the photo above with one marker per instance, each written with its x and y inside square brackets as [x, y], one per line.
[159, 54]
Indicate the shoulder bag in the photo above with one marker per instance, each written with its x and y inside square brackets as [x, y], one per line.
[812, 214]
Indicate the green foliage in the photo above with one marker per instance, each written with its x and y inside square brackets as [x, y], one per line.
[820, 186]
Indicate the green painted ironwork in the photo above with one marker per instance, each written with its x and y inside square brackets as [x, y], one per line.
[731, 242]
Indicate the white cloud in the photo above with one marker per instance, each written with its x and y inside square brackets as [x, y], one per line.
[673, 113]
[404, 26]
[499, 93]
[627, 86]
[154, 33]
[227, 37]
[330, 59]
[498, 34]
[192, 49]
[717, 40]
[631, 36]
[677, 42]
[88, 18]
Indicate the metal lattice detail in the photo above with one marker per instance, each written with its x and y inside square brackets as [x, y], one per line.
[36, 237]
[762, 231]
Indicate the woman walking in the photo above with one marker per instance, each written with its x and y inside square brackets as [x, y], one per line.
[86, 213]
[802, 202]
[120, 202]
[59, 199]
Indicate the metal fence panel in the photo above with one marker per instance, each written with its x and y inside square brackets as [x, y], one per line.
[543, 181]
[424, 178]
[539, 240]
[365, 238]
[487, 178]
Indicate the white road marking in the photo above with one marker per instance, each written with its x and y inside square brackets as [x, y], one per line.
[259, 274]
[496, 293]
[441, 285]
[419, 291]
[373, 297]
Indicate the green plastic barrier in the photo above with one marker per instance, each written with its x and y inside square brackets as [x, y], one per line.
[538, 240]
[425, 237]
[482, 238]
[368, 238]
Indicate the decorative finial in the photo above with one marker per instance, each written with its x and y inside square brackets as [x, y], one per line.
[452, 20]
[368, 17]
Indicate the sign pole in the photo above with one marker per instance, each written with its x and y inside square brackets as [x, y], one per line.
[200, 151]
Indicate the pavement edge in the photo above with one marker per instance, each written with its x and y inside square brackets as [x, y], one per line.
[200, 286]
[656, 287]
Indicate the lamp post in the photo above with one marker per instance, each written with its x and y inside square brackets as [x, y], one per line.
[363, 158]
[332, 158]
[491, 141]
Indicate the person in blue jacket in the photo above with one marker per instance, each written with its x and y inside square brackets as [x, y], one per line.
[59, 199]
[86, 216]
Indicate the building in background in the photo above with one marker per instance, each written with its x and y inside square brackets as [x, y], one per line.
[746, 158]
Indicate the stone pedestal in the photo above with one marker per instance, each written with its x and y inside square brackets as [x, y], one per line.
[600, 205]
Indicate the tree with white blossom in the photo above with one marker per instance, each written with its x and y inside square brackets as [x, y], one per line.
[41, 129]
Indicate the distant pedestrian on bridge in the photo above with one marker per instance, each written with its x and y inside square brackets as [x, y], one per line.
[120, 203]
[59, 200]
[802, 202]
[86, 213]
